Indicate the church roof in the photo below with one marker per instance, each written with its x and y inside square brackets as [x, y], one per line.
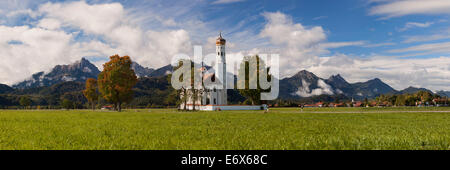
[211, 78]
[220, 40]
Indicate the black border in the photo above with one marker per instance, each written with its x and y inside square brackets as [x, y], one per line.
[275, 159]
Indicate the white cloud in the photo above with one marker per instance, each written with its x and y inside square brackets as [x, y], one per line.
[410, 25]
[38, 48]
[148, 47]
[95, 19]
[281, 30]
[323, 88]
[341, 44]
[320, 17]
[423, 38]
[169, 22]
[51, 24]
[379, 44]
[376, 1]
[226, 1]
[299, 46]
[106, 30]
[166, 44]
[28, 12]
[431, 47]
[398, 8]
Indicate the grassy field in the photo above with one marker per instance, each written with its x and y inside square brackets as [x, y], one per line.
[281, 129]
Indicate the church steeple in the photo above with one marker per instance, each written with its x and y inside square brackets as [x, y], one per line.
[221, 70]
[220, 40]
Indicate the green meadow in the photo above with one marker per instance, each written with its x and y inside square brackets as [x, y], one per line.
[280, 129]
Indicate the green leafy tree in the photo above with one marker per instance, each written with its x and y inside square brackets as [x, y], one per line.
[173, 98]
[90, 92]
[25, 101]
[425, 96]
[254, 95]
[407, 99]
[67, 104]
[116, 81]
[400, 100]
[182, 93]
[185, 93]
[366, 102]
[337, 101]
[196, 91]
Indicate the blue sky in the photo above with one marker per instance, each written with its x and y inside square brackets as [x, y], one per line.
[403, 42]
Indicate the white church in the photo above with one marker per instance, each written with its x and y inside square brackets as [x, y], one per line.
[210, 98]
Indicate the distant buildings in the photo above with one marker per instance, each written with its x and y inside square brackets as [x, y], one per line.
[437, 102]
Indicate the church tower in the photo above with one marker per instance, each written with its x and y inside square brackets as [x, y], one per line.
[221, 65]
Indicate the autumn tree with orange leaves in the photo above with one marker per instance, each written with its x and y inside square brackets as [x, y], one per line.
[116, 81]
[91, 92]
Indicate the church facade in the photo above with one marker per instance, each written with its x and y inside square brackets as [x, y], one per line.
[214, 96]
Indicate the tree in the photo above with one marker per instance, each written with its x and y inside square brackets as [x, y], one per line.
[67, 104]
[90, 92]
[184, 97]
[254, 95]
[336, 100]
[196, 89]
[366, 102]
[116, 81]
[173, 99]
[25, 101]
[400, 100]
[185, 93]
[425, 96]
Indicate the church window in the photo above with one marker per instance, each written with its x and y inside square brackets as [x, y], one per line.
[215, 101]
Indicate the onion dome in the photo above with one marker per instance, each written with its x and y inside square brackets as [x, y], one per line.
[220, 40]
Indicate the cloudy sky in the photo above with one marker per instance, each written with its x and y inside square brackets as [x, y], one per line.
[403, 42]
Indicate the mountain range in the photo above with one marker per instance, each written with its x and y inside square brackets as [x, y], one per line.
[80, 71]
[304, 84]
[141, 71]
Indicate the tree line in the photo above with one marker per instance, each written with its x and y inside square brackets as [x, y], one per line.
[422, 98]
